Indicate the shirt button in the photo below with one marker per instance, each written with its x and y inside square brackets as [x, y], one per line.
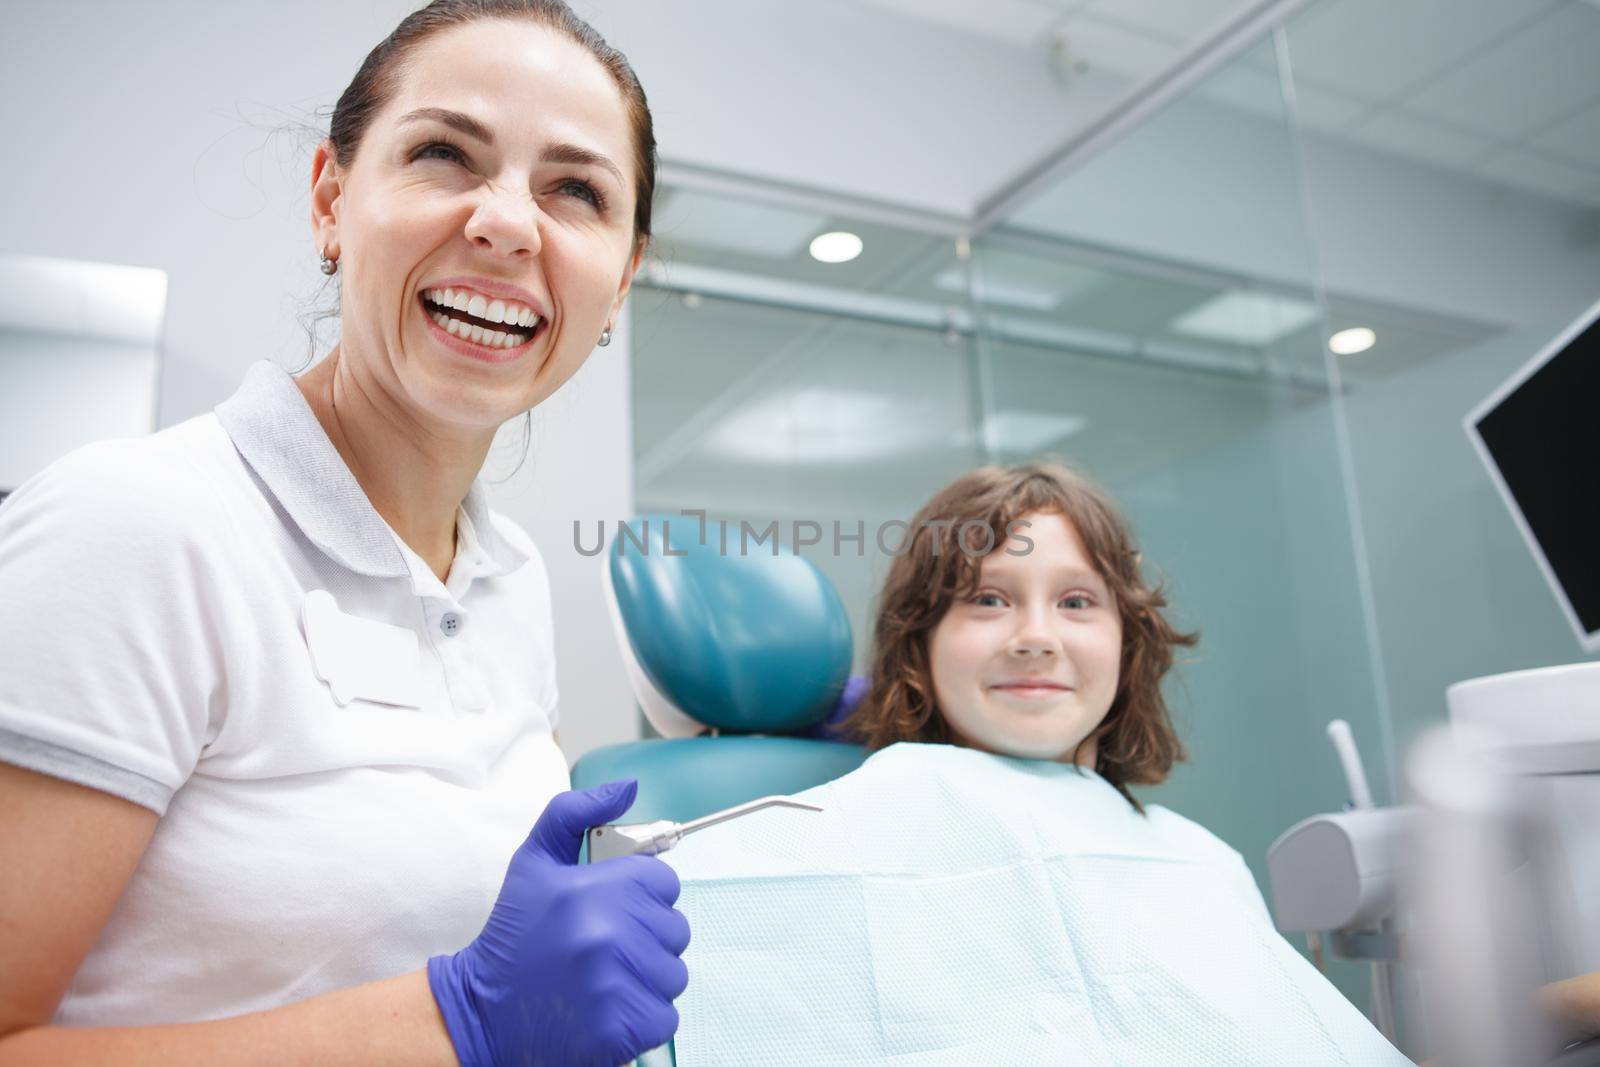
[450, 623]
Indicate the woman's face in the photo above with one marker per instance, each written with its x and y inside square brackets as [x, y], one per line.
[500, 168]
[1028, 666]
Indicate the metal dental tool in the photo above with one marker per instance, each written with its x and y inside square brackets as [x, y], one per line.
[650, 838]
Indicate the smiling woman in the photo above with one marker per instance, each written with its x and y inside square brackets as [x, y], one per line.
[495, 169]
[279, 751]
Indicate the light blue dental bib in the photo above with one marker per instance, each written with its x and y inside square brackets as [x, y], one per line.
[953, 907]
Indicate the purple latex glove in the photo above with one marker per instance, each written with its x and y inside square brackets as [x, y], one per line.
[828, 728]
[577, 965]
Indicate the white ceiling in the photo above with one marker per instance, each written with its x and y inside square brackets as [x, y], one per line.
[1506, 91]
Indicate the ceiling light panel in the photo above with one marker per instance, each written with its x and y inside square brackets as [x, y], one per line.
[1245, 318]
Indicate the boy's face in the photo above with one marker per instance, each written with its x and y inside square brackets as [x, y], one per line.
[1028, 666]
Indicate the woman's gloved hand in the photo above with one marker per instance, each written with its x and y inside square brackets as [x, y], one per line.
[577, 965]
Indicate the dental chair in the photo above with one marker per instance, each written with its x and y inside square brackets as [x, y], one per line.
[727, 654]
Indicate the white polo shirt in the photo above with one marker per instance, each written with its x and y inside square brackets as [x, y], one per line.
[151, 620]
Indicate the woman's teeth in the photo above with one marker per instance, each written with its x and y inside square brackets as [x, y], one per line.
[477, 334]
[452, 309]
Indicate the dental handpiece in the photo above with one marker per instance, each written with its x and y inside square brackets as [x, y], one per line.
[650, 838]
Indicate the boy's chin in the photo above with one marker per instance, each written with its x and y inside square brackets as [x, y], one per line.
[1018, 746]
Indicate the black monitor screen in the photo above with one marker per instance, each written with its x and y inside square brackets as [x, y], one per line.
[1544, 436]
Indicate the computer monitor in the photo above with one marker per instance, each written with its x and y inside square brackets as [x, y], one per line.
[1539, 436]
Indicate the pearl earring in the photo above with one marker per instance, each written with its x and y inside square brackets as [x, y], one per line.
[605, 337]
[328, 265]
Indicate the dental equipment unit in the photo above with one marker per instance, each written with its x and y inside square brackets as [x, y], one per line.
[1333, 875]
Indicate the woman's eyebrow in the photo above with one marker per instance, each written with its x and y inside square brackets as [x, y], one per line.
[456, 120]
[577, 154]
[556, 153]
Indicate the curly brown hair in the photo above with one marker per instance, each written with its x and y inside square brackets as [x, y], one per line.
[939, 564]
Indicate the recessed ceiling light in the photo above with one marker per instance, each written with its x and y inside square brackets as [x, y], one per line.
[1349, 342]
[835, 247]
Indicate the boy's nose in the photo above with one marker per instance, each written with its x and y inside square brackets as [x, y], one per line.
[1034, 641]
[1034, 634]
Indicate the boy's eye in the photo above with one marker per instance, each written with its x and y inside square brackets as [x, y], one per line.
[1077, 601]
[981, 598]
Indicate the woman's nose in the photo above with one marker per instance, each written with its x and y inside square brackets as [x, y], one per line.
[507, 224]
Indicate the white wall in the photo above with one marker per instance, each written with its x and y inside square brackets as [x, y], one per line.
[111, 386]
[143, 134]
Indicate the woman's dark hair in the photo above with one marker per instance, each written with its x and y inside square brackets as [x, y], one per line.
[1136, 742]
[384, 68]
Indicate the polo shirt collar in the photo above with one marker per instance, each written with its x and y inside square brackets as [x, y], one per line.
[277, 433]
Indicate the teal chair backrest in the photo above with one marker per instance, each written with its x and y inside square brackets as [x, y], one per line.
[726, 652]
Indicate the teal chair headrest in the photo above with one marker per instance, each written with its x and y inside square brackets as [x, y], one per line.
[751, 643]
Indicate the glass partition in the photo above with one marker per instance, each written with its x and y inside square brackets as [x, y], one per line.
[1153, 320]
[1460, 202]
[79, 357]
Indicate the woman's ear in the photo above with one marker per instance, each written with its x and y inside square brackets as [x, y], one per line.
[640, 247]
[327, 191]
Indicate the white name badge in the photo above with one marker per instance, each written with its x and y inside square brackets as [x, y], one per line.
[361, 658]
